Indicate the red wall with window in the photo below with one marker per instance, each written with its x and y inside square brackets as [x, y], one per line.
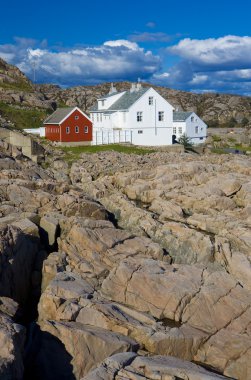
[76, 119]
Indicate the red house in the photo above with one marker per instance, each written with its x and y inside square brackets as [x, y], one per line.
[69, 126]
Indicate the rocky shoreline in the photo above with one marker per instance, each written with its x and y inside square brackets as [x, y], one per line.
[125, 267]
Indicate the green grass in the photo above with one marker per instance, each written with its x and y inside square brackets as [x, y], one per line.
[20, 86]
[73, 153]
[243, 148]
[216, 138]
[218, 151]
[21, 117]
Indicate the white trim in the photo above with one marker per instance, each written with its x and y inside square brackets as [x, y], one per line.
[69, 114]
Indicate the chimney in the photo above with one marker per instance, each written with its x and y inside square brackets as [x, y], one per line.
[133, 87]
[138, 86]
[112, 89]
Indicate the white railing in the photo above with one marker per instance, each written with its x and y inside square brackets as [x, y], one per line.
[111, 136]
[36, 131]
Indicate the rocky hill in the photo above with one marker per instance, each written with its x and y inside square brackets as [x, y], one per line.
[17, 91]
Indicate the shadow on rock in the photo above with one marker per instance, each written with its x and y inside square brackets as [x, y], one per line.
[46, 357]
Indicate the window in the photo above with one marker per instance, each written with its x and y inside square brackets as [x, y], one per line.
[76, 129]
[101, 117]
[180, 130]
[161, 115]
[97, 117]
[192, 119]
[76, 117]
[140, 132]
[67, 130]
[139, 116]
[196, 130]
[86, 129]
[150, 100]
[201, 138]
[174, 131]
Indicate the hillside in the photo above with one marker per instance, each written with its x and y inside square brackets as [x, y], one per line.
[26, 104]
[215, 109]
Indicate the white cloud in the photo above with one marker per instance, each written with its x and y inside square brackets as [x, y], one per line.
[125, 43]
[222, 64]
[199, 79]
[227, 51]
[111, 61]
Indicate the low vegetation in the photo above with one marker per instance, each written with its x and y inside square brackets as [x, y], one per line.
[23, 117]
[18, 85]
[73, 153]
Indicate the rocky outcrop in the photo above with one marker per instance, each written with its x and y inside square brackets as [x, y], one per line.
[130, 366]
[136, 272]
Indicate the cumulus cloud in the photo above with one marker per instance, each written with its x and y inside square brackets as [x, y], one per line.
[111, 61]
[214, 64]
[228, 51]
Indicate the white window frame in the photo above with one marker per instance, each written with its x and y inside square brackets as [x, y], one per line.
[192, 119]
[68, 130]
[196, 130]
[86, 129]
[150, 100]
[139, 116]
[77, 129]
[140, 132]
[161, 116]
[174, 130]
[180, 130]
[76, 117]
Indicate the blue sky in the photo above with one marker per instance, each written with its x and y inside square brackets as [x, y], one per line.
[188, 45]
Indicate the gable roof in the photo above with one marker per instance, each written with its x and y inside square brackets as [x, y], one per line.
[61, 114]
[127, 100]
[124, 102]
[181, 116]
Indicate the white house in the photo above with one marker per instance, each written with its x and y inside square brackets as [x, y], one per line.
[190, 124]
[142, 111]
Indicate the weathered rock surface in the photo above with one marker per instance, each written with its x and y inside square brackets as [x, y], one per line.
[172, 279]
[132, 367]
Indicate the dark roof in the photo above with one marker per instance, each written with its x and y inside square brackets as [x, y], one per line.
[124, 102]
[58, 115]
[181, 116]
[127, 100]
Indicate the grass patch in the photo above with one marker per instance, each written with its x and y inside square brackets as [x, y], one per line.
[216, 138]
[20, 86]
[73, 153]
[218, 151]
[22, 117]
[243, 148]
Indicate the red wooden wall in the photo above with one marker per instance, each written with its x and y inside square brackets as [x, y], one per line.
[56, 132]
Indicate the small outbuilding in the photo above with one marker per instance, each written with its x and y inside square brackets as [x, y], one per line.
[69, 126]
[191, 125]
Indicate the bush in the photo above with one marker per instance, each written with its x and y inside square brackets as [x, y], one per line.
[244, 122]
[185, 141]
